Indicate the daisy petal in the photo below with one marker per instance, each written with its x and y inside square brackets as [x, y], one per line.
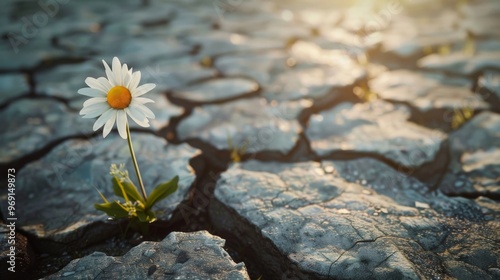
[103, 119]
[93, 107]
[95, 113]
[92, 92]
[93, 83]
[143, 123]
[145, 88]
[144, 100]
[109, 124]
[125, 75]
[134, 81]
[136, 113]
[117, 71]
[105, 83]
[94, 100]
[109, 74]
[143, 109]
[121, 123]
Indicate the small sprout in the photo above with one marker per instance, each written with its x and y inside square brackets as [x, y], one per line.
[365, 94]
[236, 152]
[135, 206]
[469, 45]
[444, 50]
[206, 62]
[460, 116]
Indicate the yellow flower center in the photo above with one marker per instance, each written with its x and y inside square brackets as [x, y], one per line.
[119, 97]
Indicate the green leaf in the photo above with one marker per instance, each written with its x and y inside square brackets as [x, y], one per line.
[126, 190]
[113, 209]
[151, 216]
[148, 216]
[142, 216]
[102, 196]
[162, 191]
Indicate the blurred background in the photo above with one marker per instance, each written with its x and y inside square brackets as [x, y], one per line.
[285, 81]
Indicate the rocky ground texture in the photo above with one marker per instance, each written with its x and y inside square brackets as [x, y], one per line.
[313, 140]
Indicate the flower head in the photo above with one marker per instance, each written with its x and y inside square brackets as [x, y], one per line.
[119, 172]
[115, 97]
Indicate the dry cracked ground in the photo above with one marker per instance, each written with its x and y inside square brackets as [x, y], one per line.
[313, 140]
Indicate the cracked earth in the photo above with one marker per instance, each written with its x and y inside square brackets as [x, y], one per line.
[313, 140]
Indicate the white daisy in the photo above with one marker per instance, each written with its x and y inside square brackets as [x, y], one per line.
[116, 97]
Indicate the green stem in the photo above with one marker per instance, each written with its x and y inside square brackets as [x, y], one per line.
[134, 160]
